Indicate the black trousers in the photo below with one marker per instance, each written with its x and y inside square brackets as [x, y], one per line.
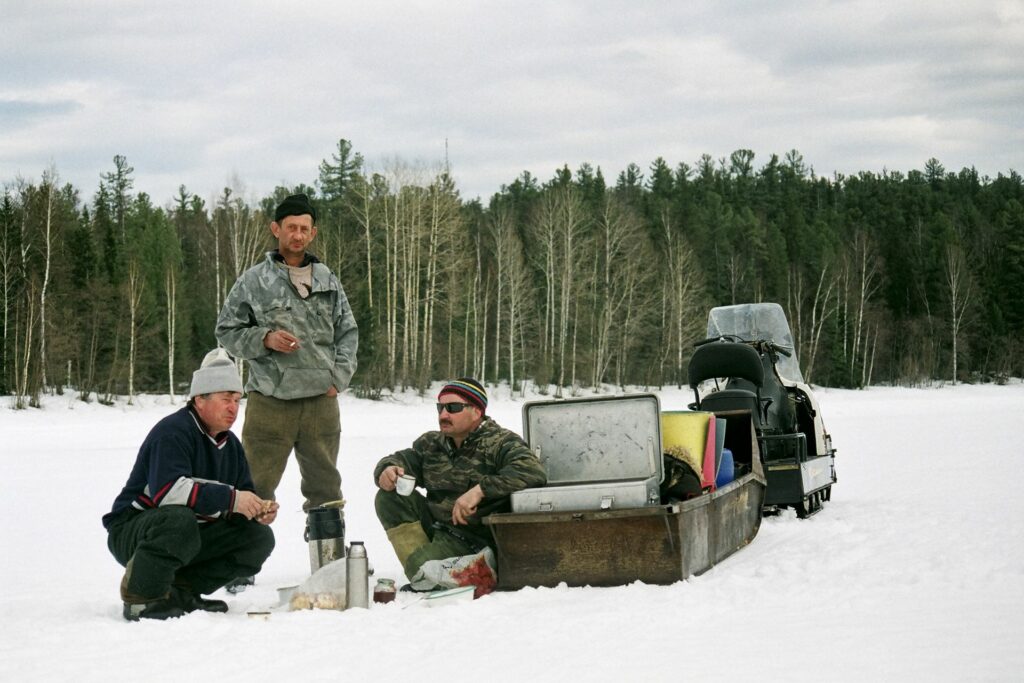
[167, 546]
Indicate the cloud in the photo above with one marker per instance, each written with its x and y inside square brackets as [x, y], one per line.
[17, 113]
[198, 93]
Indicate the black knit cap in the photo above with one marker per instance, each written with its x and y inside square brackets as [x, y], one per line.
[294, 205]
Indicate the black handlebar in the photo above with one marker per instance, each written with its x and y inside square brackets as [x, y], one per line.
[786, 351]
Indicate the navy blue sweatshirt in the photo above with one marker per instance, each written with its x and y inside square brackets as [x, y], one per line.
[180, 464]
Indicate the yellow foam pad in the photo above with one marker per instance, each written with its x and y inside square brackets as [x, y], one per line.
[684, 436]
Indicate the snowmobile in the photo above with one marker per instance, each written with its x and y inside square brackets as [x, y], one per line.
[748, 363]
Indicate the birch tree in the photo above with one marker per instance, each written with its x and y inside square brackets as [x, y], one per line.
[511, 290]
[863, 268]
[682, 292]
[48, 188]
[619, 259]
[569, 225]
[961, 291]
[246, 231]
[822, 307]
[363, 208]
[543, 256]
[501, 231]
[8, 273]
[444, 224]
[24, 395]
[134, 285]
[171, 293]
[518, 295]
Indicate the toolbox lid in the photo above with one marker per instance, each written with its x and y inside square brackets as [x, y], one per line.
[587, 440]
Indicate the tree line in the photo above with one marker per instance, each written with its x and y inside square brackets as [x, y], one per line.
[568, 282]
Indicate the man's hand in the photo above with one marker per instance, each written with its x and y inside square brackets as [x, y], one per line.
[465, 506]
[248, 503]
[332, 392]
[282, 341]
[269, 512]
[389, 476]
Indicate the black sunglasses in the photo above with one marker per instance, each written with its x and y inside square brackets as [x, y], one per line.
[453, 407]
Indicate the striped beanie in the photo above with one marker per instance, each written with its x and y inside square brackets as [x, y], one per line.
[469, 389]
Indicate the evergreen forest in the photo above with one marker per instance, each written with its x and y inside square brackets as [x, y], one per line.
[572, 281]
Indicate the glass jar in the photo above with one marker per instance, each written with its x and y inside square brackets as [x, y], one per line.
[384, 591]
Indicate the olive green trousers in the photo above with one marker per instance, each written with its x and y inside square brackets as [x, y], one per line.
[439, 543]
[309, 426]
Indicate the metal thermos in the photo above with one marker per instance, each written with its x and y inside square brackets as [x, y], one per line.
[325, 532]
[357, 576]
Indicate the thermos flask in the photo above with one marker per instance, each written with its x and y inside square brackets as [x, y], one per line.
[357, 577]
[325, 532]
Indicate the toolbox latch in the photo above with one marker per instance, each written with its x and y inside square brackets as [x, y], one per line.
[652, 456]
[606, 502]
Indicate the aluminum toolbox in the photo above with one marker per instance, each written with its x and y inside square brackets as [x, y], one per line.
[598, 453]
[611, 496]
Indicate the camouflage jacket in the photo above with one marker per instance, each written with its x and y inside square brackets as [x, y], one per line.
[492, 456]
[264, 299]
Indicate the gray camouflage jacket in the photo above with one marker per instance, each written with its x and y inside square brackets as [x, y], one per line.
[264, 299]
[492, 456]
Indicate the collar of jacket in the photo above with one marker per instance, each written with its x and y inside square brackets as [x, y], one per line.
[307, 259]
[217, 439]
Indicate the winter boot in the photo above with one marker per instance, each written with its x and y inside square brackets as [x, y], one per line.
[191, 602]
[138, 607]
[164, 608]
[406, 539]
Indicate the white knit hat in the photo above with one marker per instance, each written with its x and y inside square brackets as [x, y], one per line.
[217, 373]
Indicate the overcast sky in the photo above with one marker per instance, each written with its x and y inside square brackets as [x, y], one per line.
[201, 93]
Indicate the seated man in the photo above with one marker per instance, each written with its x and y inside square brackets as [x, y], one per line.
[468, 468]
[187, 521]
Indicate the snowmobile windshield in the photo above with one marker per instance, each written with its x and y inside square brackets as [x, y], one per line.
[750, 322]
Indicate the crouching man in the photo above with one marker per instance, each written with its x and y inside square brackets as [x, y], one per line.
[187, 521]
[468, 469]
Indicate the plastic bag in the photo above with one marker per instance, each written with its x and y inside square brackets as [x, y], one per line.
[477, 570]
[325, 589]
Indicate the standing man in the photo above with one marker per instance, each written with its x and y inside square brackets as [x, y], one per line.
[290, 319]
[469, 469]
[187, 521]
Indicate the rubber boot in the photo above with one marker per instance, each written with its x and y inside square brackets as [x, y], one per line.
[406, 539]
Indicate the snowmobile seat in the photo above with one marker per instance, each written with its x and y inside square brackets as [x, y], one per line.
[734, 361]
[728, 400]
[726, 359]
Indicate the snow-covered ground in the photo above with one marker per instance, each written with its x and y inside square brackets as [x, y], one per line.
[914, 571]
